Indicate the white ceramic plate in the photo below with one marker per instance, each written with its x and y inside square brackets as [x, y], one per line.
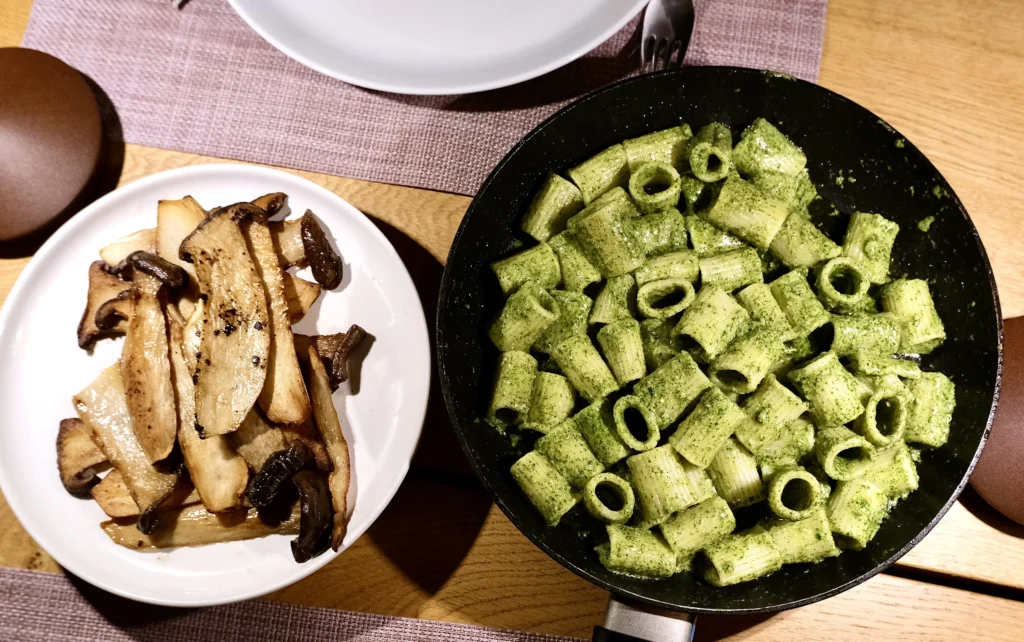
[437, 46]
[42, 367]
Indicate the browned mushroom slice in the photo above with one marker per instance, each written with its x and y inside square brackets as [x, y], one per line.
[116, 501]
[302, 242]
[196, 526]
[146, 370]
[77, 456]
[235, 340]
[272, 203]
[334, 439]
[112, 317]
[175, 220]
[276, 471]
[301, 295]
[104, 410]
[256, 440]
[283, 397]
[307, 434]
[316, 515]
[103, 287]
[170, 274]
[114, 253]
[339, 361]
[219, 474]
[324, 262]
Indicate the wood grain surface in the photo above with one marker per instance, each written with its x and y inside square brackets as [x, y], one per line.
[949, 74]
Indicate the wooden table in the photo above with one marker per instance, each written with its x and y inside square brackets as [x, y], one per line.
[947, 73]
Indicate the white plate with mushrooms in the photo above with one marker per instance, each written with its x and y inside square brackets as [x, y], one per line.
[265, 277]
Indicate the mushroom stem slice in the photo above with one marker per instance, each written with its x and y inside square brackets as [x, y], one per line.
[301, 295]
[113, 253]
[116, 501]
[104, 287]
[196, 526]
[78, 458]
[334, 439]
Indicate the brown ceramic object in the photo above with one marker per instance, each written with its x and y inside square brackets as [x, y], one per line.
[51, 136]
[999, 476]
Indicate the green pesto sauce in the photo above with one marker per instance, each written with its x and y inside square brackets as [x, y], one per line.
[900, 143]
[926, 223]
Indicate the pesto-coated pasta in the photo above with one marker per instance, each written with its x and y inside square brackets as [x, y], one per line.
[869, 240]
[744, 210]
[932, 409]
[681, 264]
[708, 240]
[568, 452]
[636, 551]
[615, 301]
[710, 152]
[660, 232]
[694, 528]
[607, 487]
[764, 310]
[573, 312]
[513, 388]
[668, 391]
[655, 187]
[665, 146]
[800, 244]
[662, 483]
[526, 315]
[584, 367]
[542, 484]
[865, 334]
[577, 270]
[731, 270]
[842, 285]
[704, 431]
[551, 401]
[664, 298]
[744, 364]
[763, 148]
[797, 300]
[807, 540]
[597, 425]
[551, 207]
[741, 558]
[623, 349]
[910, 301]
[835, 395]
[843, 454]
[656, 335]
[708, 377]
[794, 494]
[711, 322]
[855, 512]
[601, 172]
[537, 264]
[735, 475]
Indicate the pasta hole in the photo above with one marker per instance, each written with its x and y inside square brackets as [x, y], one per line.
[507, 416]
[714, 163]
[887, 416]
[797, 494]
[610, 495]
[636, 424]
[732, 378]
[669, 298]
[851, 457]
[704, 199]
[548, 303]
[845, 281]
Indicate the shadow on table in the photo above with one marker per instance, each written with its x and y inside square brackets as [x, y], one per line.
[430, 525]
[978, 507]
[568, 82]
[103, 180]
[721, 627]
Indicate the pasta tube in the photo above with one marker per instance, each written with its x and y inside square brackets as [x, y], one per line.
[803, 310]
[615, 301]
[865, 334]
[682, 264]
[763, 148]
[794, 494]
[513, 389]
[800, 244]
[741, 558]
[664, 298]
[607, 245]
[551, 401]
[731, 270]
[597, 425]
[932, 409]
[747, 360]
[583, 366]
[842, 285]
[834, 394]
[660, 232]
[711, 322]
[710, 152]
[538, 264]
[869, 240]
[577, 271]
[655, 187]
[656, 335]
[526, 315]
[609, 498]
[855, 512]
[843, 454]
[546, 489]
[662, 483]
[566, 450]
[747, 212]
[635, 424]
[894, 472]
[735, 475]
[769, 411]
[708, 240]
[623, 350]
[705, 430]
[636, 551]
[601, 172]
[764, 310]
[910, 301]
[668, 391]
[665, 146]
[551, 207]
[807, 540]
[573, 312]
[694, 528]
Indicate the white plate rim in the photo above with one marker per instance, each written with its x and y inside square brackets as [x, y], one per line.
[96, 208]
[441, 90]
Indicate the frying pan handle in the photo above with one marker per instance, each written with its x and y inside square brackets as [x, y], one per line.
[630, 622]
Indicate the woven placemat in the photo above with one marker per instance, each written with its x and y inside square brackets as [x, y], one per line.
[199, 80]
[57, 608]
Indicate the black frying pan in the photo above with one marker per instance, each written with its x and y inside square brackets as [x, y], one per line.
[881, 172]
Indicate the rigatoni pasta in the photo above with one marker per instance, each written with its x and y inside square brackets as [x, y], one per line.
[732, 354]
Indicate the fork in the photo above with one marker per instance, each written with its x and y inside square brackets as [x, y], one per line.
[668, 25]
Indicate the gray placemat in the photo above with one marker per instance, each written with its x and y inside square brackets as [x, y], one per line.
[199, 80]
[52, 607]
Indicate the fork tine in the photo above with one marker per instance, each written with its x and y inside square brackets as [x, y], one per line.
[675, 48]
[660, 51]
[647, 50]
